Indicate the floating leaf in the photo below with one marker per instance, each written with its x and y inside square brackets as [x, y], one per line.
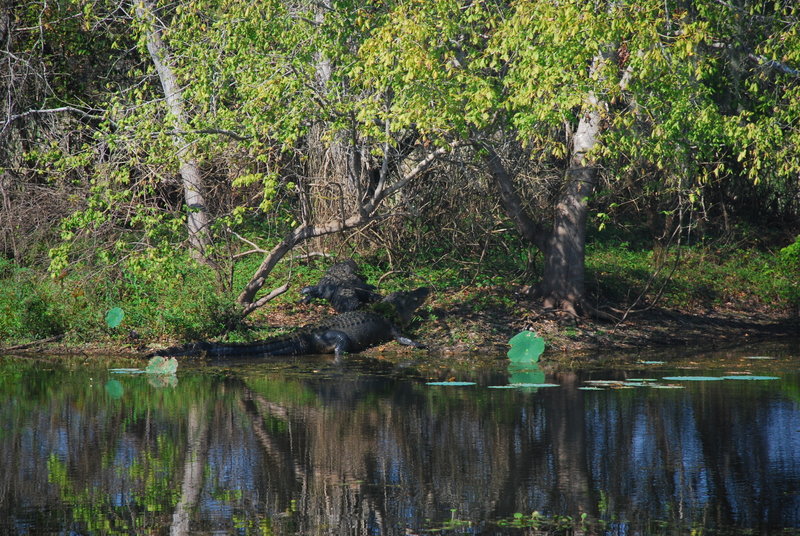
[526, 347]
[126, 371]
[523, 386]
[114, 317]
[161, 365]
[451, 384]
[651, 362]
[114, 389]
[693, 378]
[759, 357]
[750, 377]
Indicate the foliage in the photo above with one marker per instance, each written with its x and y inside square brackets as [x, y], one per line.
[295, 108]
[789, 272]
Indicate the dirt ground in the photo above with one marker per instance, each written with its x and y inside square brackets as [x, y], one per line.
[464, 323]
[459, 327]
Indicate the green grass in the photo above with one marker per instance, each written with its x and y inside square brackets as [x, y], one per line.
[691, 276]
[181, 300]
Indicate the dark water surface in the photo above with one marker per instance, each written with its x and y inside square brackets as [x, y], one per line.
[309, 447]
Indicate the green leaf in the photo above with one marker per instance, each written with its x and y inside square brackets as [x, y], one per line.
[161, 365]
[114, 317]
[526, 347]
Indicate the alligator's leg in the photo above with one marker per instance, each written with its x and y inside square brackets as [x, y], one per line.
[405, 341]
[334, 339]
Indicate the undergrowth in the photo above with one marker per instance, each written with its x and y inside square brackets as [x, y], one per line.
[182, 300]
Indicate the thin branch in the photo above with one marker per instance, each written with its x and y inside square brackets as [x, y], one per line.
[222, 131]
[773, 64]
[256, 247]
[83, 113]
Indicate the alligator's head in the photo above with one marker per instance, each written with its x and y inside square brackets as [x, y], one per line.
[399, 307]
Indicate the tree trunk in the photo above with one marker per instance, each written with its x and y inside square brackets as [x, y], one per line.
[563, 243]
[191, 178]
[562, 284]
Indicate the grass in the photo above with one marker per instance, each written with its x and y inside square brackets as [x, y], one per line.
[181, 300]
[689, 276]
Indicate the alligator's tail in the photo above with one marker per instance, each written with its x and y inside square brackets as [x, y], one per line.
[295, 344]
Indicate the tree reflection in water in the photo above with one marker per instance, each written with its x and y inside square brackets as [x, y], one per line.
[342, 452]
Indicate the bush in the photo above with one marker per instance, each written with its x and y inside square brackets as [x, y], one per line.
[789, 269]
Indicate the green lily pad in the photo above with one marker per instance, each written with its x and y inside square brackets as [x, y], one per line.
[126, 371]
[451, 384]
[161, 365]
[651, 362]
[114, 317]
[764, 357]
[692, 378]
[526, 347]
[750, 377]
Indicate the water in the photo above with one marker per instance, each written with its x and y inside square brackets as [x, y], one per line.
[309, 447]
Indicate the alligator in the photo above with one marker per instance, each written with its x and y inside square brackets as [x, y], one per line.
[349, 332]
[343, 286]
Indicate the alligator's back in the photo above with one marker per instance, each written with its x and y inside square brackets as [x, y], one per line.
[347, 332]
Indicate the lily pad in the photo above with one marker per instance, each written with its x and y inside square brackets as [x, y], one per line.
[114, 317]
[750, 377]
[451, 384]
[161, 365]
[526, 347]
[523, 386]
[590, 388]
[764, 357]
[651, 362]
[126, 371]
[693, 378]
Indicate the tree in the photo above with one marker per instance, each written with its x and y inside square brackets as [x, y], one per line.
[597, 90]
[191, 177]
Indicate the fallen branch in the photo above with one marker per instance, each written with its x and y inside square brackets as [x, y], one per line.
[31, 344]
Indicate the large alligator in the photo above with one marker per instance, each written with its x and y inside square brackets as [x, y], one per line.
[350, 332]
[343, 286]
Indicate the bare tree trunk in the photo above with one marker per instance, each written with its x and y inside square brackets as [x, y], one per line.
[562, 284]
[191, 178]
[563, 244]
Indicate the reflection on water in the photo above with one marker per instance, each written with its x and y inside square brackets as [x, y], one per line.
[268, 449]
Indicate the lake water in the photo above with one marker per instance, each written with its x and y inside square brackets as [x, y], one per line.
[310, 447]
